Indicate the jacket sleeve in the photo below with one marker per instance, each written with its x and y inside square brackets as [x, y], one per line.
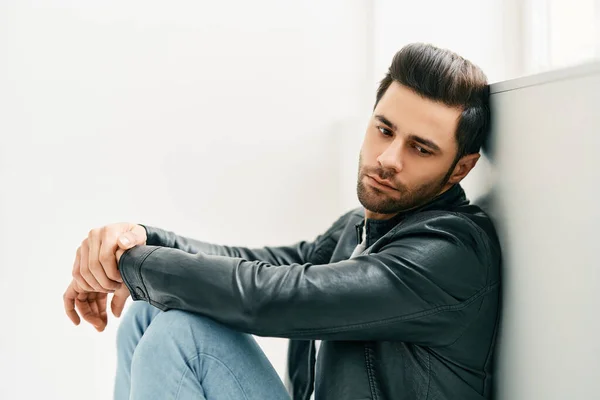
[420, 287]
[279, 255]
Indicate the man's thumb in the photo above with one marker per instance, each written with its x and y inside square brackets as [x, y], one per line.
[127, 240]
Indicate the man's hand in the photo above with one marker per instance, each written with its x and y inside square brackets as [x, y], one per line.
[96, 262]
[92, 305]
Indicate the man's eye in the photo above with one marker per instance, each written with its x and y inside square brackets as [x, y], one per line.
[386, 132]
[422, 150]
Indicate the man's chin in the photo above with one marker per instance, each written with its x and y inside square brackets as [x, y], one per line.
[388, 207]
[380, 207]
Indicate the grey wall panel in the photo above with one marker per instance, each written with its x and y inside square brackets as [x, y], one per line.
[547, 199]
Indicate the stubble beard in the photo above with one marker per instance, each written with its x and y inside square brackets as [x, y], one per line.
[380, 202]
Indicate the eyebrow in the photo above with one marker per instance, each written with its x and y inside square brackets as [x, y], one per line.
[386, 121]
[411, 136]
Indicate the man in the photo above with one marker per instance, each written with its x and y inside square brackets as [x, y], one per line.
[401, 294]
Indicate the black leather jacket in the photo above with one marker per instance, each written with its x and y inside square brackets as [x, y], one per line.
[413, 317]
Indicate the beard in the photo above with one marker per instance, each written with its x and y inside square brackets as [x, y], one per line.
[381, 202]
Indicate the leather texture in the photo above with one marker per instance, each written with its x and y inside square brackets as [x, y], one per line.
[414, 316]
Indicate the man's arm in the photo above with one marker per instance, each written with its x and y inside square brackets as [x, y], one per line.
[297, 253]
[277, 255]
[422, 288]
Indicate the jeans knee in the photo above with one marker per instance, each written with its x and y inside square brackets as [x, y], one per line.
[181, 331]
[134, 323]
[178, 325]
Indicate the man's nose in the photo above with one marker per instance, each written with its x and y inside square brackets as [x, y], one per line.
[392, 158]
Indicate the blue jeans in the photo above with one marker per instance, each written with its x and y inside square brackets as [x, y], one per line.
[177, 355]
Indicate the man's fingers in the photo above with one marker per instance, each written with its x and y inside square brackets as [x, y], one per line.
[85, 270]
[98, 307]
[128, 239]
[107, 258]
[101, 302]
[93, 304]
[86, 304]
[69, 303]
[77, 273]
[85, 309]
[96, 268]
[118, 301]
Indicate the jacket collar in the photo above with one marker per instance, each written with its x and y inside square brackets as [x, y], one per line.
[375, 229]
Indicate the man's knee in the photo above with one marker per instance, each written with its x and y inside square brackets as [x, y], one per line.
[178, 325]
[184, 334]
[134, 323]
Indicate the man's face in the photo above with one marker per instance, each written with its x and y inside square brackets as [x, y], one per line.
[407, 153]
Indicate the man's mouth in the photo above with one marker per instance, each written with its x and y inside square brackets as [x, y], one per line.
[380, 183]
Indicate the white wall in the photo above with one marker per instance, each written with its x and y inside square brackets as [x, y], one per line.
[225, 121]
[559, 33]
[547, 144]
[472, 28]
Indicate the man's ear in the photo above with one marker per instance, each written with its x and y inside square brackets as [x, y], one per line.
[463, 167]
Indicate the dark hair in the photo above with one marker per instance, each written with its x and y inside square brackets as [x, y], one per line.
[444, 76]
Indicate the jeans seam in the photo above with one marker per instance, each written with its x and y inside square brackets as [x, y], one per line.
[213, 358]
